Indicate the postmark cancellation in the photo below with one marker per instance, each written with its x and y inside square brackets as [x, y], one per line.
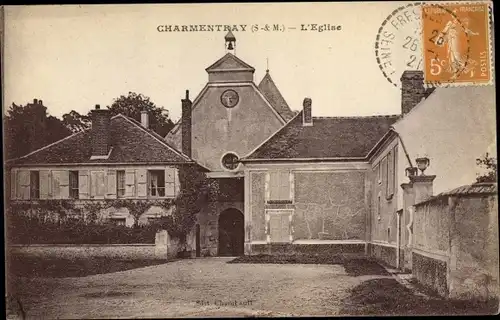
[450, 42]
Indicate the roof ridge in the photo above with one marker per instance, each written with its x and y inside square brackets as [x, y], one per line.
[357, 117]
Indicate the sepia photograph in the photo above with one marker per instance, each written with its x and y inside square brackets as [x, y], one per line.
[236, 160]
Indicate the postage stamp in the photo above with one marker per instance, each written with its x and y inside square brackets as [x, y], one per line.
[456, 43]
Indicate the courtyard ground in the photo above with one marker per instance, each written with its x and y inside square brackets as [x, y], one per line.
[213, 287]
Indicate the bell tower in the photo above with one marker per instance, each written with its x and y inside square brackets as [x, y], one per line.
[230, 43]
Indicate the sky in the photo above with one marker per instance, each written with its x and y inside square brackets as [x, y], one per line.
[74, 57]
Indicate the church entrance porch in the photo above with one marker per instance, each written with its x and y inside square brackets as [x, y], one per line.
[231, 233]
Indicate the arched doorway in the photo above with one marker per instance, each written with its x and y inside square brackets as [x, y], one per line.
[231, 233]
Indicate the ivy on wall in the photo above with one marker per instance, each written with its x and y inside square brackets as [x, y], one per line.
[194, 194]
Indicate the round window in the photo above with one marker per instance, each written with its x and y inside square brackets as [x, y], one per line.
[230, 161]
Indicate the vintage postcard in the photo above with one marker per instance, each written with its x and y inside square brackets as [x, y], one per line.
[250, 160]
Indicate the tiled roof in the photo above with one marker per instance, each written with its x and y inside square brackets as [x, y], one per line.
[476, 188]
[269, 89]
[328, 137]
[131, 143]
[481, 189]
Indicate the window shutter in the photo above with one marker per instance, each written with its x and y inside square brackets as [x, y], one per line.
[275, 226]
[111, 184]
[93, 184]
[177, 183]
[44, 184]
[64, 184]
[274, 185]
[285, 228]
[170, 182]
[83, 184]
[129, 183]
[13, 184]
[56, 184]
[24, 185]
[284, 187]
[292, 186]
[390, 173]
[383, 165]
[142, 183]
[101, 184]
[267, 186]
[97, 184]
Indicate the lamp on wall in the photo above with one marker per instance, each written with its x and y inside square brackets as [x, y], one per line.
[422, 164]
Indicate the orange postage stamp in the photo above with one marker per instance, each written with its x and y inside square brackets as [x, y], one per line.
[456, 43]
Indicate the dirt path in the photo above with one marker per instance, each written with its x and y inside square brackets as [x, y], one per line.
[198, 287]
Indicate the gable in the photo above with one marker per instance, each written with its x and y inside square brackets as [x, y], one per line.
[217, 129]
[229, 62]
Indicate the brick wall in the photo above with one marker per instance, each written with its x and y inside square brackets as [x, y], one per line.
[100, 132]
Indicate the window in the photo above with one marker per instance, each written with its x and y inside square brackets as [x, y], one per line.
[73, 184]
[120, 183]
[119, 222]
[390, 179]
[34, 184]
[377, 173]
[153, 220]
[157, 183]
[279, 186]
[230, 161]
[378, 208]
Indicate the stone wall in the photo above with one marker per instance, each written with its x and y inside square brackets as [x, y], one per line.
[332, 203]
[455, 248]
[130, 251]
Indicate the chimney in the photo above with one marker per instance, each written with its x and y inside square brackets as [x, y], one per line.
[412, 90]
[186, 125]
[35, 101]
[307, 119]
[145, 119]
[100, 132]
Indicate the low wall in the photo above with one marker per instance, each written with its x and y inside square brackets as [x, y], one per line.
[126, 251]
[384, 253]
[455, 252]
[357, 249]
[431, 272]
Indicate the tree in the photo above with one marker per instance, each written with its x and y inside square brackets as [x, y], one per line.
[195, 190]
[130, 106]
[30, 127]
[75, 121]
[489, 164]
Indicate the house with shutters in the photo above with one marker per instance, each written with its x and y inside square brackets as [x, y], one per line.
[117, 158]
